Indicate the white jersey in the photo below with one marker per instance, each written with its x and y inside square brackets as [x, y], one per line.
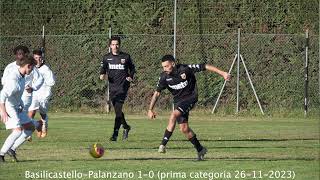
[12, 90]
[34, 79]
[10, 67]
[10, 95]
[49, 81]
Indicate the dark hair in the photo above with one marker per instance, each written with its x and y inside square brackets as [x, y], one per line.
[168, 57]
[37, 52]
[115, 38]
[26, 60]
[22, 48]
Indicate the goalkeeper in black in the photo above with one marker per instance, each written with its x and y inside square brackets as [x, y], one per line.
[180, 80]
[117, 67]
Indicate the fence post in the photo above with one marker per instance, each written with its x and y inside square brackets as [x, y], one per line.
[108, 90]
[238, 71]
[306, 75]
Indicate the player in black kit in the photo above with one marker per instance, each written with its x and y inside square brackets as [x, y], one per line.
[119, 69]
[180, 80]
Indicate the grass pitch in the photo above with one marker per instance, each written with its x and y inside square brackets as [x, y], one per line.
[238, 148]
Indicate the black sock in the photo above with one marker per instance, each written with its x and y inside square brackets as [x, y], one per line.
[196, 143]
[166, 137]
[124, 122]
[117, 124]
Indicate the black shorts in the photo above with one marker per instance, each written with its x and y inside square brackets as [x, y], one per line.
[119, 98]
[184, 107]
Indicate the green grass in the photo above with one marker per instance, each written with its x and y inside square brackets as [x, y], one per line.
[235, 144]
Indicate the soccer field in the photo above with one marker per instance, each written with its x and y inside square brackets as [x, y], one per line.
[238, 148]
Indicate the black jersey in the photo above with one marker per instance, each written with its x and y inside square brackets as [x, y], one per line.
[118, 68]
[181, 82]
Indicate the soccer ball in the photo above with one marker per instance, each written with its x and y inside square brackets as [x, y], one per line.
[96, 150]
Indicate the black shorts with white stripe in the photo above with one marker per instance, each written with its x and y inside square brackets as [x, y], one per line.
[185, 106]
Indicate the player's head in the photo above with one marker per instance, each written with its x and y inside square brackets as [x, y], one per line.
[26, 65]
[37, 55]
[20, 52]
[168, 63]
[114, 44]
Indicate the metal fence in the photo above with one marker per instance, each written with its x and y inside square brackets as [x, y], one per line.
[275, 63]
[272, 45]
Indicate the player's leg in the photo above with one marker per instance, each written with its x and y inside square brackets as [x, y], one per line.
[169, 130]
[185, 107]
[119, 114]
[191, 136]
[27, 131]
[117, 122]
[15, 134]
[43, 110]
[34, 106]
[28, 126]
[13, 124]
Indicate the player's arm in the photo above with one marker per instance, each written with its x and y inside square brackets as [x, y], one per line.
[6, 92]
[154, 99]
[103, 70]
[224, 74]
[3, 113]
[5, 74]
[162, 84]
[49, 77]
[37, 79]
[132, 70]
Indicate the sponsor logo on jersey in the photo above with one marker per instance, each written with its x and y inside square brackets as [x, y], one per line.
[123, 61]
[109, 59]
[169, 79]
[181, 85]
[116, 66]
[183, 76]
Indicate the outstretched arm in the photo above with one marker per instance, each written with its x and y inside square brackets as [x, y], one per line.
[151, 113]
[224, 74]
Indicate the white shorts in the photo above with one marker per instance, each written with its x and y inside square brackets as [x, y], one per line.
[16, 119]
[39, 103]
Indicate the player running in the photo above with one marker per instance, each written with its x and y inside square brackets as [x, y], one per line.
[11, 108]
[119, 69]
[180, 80]
[41, 97]
[33, 80]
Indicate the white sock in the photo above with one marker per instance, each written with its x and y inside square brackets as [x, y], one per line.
[21, 139]
[9, 142]
[45, 121]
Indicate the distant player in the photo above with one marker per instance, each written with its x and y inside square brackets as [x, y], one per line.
[11, 108]
[180, 80]
[41, 97]
[119, 69]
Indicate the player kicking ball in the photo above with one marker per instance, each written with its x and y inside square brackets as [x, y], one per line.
[180, 80]
[11, 108]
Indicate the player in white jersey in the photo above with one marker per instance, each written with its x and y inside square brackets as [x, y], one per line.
[33, 80]
[11, 108]
[41, 97]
